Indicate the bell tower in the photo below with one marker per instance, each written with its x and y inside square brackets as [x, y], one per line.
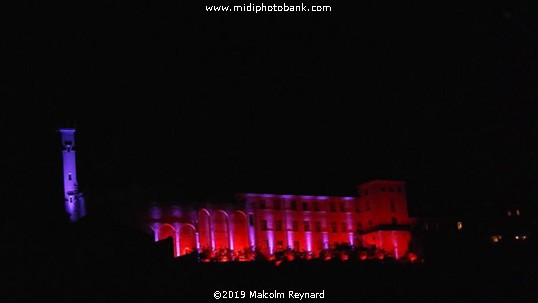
[74, 201]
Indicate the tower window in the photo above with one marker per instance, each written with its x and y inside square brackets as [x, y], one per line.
[342, 207]
[316, 206]
[305, 206]
[251, 220]
[293, 205]
[295, 226]
[278, 225]
[264, 224]
[69, 177]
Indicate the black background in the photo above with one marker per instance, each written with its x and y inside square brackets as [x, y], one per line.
[179, 103]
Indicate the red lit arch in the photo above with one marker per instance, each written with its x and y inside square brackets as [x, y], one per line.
[204, 229]
[239, 228]
[221, 230]
[187, 238]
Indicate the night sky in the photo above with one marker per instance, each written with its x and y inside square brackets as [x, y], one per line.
[173, 103]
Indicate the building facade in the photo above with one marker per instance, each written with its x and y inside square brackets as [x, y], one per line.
[268, 223]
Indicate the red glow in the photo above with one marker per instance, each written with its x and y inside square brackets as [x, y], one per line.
[376, 221]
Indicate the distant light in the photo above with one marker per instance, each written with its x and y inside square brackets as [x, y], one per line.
[517, 212]
[496, 238]
[460, 225]
[509, 213]
[517, 237]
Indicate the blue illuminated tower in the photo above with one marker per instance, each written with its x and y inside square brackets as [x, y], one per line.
[74, 201]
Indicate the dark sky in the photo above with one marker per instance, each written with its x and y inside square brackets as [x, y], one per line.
[185, 104]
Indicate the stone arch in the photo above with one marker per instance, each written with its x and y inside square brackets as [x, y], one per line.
[187, 238]
[167, 231]
[204, 228]
[239, 229]
[221, 230]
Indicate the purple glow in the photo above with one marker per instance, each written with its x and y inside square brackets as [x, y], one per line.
[74, 201]
[177, 234]
[156, 227]
[176, 211]
[290, 239]
[212, 237]
[325, 240]
[395, 244]
[198, 241]
[308, 236]
[350, 238]
[270, 240]
[155, 213]
[230, 235]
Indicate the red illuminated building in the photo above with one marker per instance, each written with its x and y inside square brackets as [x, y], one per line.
[268, 223]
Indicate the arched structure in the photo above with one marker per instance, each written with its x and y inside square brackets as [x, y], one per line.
[239, 230]
[221, 230]
[204, 229]
[377, 218]
[187, 239]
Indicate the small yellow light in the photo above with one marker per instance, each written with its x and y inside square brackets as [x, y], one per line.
[460, 225]
[517, 212]
[517, 237]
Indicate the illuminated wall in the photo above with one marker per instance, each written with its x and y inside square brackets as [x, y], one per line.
[377, 218]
